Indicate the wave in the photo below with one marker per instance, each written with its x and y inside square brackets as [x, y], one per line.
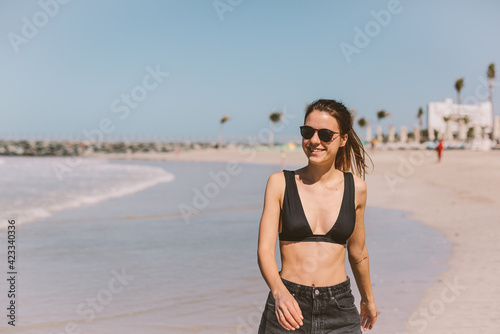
[112, 193]
[38, 194]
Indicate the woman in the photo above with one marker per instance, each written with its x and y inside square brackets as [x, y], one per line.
[318, 211]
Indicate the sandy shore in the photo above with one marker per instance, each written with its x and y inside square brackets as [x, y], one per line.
[459, 197]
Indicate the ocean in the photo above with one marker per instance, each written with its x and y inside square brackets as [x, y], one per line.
[121, 246]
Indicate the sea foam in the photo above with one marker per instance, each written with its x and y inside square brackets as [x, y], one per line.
[32, 191]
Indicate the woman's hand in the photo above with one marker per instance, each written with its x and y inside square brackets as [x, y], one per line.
[369, 314]
[288, 311]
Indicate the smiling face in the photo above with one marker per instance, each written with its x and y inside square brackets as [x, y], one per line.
[317, 151]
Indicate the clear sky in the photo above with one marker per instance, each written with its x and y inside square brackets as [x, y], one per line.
[68, 65]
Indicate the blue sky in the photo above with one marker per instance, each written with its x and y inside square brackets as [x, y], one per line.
[263, 56]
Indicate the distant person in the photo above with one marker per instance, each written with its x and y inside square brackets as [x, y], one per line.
[318, 212]
[374, 142]
[439, 149]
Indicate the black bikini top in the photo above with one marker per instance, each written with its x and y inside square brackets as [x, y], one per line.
[295, 226]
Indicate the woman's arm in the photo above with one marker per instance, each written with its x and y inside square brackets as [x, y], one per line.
[268, 232]
[359, 260]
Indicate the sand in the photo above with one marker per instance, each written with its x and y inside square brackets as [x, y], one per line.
[459, 197]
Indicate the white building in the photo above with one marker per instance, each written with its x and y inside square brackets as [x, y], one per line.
[478, 114]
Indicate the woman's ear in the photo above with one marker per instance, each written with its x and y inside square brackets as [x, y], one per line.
[343, 140]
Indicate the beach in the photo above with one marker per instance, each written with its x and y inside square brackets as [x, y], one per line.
[458, 197]
[178, 239]
[138, 138]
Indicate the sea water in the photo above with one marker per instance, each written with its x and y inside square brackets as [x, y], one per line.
[171, 247]
[37, 187]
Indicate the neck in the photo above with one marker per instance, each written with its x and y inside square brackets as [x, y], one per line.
[320, 173]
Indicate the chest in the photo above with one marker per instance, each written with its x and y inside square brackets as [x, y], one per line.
[321, 206]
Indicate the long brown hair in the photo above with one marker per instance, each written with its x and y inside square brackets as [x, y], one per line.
[350, 157]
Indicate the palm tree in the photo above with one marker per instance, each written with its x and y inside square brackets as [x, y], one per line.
[274, 117]
[459, 84]
[491, 76]
[362, 122]
[222, 121]
[381, 114]
[419, 116]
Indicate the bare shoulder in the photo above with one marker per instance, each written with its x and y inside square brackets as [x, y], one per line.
[359, 184]
[360, 191]
[275, 188]
[276, 182]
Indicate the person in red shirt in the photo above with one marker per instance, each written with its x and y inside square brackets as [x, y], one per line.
[439, 149]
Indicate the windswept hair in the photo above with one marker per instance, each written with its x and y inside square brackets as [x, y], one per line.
[350, 157]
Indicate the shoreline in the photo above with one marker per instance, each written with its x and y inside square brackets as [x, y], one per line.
[455, 197]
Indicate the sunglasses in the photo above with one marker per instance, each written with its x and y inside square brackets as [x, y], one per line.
[324, 135]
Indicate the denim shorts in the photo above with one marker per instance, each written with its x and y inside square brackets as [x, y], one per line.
[328, 309]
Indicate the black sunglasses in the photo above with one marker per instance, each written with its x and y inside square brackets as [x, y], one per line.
[324, 135]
